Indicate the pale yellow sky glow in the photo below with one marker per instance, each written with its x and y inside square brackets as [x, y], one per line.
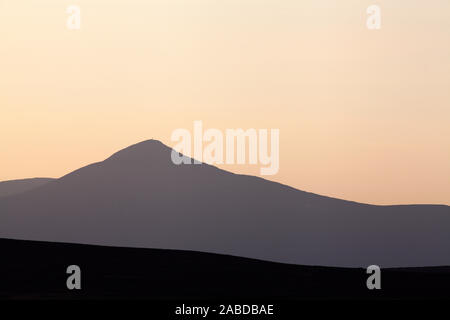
[363, 115]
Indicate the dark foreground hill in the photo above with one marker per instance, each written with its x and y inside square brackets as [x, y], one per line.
[139, 198]
[37, 270]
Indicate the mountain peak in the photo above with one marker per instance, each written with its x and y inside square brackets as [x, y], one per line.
[143, 151]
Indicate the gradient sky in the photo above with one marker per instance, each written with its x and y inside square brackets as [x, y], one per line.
[363, 115]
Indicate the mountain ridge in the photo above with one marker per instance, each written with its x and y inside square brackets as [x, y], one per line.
[17, 186]
[137, 197]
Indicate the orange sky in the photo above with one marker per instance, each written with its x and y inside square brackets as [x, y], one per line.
[363, 115]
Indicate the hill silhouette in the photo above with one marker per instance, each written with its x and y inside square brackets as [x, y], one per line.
[139, 198]
[37, 270]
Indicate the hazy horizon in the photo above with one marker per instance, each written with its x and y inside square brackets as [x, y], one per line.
[363, 115]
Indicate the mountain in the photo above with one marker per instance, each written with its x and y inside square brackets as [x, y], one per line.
[37, 270]
[11, 187]
[139, 198]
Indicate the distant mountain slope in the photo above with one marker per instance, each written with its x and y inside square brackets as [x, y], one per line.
[37, 270]
[139, 198]
[11, 187]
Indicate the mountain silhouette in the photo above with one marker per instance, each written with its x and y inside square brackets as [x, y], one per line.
[139, 198]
